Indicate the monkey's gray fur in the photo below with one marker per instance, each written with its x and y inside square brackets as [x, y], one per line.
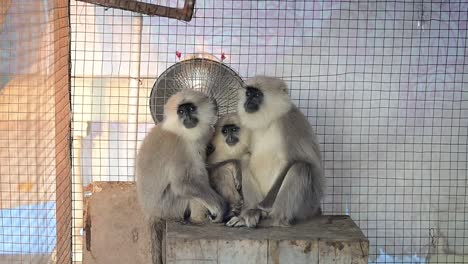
[285, 160]
[228, 146]
[171, 175]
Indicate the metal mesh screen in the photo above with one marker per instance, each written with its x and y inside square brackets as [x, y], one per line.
[35, 186]
[206, 75]
[384, 83]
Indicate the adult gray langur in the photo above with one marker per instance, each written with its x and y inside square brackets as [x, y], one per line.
[285, 160]
[171, 174]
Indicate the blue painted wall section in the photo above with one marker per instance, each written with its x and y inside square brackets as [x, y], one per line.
[28, 229]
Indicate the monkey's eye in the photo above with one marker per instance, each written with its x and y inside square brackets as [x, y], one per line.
[224, 131]
[192, 108]
[247, 93]
[180, 111]
[235, 129]
[256, 94]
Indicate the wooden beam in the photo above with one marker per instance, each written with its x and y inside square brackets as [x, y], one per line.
[184, 13]
[61, 75]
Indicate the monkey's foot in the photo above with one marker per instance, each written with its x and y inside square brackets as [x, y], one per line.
[236, 221]
[252, 217]
[249, 218]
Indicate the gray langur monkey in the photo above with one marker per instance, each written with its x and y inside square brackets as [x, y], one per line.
[226, 150]
[171, 174]
[285, 160]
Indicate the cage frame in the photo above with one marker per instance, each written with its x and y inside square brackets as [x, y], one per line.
[184, 13]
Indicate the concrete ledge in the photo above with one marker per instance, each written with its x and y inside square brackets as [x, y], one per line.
[325, 239]
[115, 232]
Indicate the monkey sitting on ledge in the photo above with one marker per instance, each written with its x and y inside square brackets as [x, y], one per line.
[285, 160]
[171, 175]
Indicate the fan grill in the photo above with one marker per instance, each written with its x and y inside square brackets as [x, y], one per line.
[208, 76]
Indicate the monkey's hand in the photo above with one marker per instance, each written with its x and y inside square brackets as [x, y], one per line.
[249, 218]
[216, 213]
[235, 208]
[238, 184]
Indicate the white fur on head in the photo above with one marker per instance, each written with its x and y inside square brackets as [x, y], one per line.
[222, 150]
[276, 102]
[206, 114]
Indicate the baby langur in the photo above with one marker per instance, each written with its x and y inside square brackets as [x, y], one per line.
[228, 146]
[171, 174]
[285, 160]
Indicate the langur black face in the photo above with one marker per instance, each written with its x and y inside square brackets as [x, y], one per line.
[231, 134]
[253, 99]
[187, 113]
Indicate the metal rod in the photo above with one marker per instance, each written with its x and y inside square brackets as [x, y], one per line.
[149, 9]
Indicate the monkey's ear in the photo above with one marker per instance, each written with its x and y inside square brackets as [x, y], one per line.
[210, 148]
[284, 87]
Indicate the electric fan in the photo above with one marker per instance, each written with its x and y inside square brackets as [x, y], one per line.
[199, 73]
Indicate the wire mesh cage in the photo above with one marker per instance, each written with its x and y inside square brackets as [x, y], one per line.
[35, 187]
[383, 83]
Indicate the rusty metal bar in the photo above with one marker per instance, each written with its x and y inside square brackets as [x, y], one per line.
[184, 14]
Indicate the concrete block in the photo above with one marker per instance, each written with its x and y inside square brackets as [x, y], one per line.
[116, 232]
[115, 229]
[325, 239]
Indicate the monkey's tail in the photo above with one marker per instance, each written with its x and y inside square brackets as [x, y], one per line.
[157, 240]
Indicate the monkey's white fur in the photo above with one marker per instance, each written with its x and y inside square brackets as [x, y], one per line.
[266, 139]
[280, 136]
[276, 103]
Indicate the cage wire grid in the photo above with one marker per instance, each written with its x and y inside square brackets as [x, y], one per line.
[34, 132]
[383, 83]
